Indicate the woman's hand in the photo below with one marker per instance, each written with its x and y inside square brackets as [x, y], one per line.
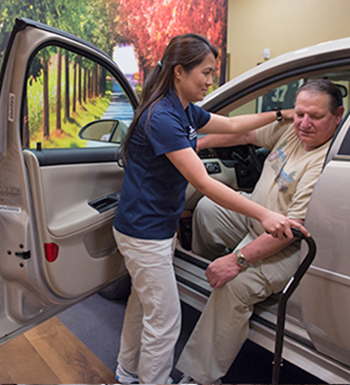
[280, 226]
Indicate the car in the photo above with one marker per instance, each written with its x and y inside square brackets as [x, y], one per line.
[58, 195]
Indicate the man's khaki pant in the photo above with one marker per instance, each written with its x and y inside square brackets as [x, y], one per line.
[224, 324]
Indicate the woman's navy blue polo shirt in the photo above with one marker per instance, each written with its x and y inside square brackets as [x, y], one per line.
[153, 193]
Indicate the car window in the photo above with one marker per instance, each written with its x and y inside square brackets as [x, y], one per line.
[65, 92]
[283, 96]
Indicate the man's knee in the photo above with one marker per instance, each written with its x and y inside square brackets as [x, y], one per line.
[248, 287]
[205, 207]
[204, 228]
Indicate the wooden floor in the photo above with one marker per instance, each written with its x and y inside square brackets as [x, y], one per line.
[50, 354]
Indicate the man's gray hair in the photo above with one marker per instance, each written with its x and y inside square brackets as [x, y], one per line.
[326, 87]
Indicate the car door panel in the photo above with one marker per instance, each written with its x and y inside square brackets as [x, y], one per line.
[68, 212]
[327, 282]
[83, 234]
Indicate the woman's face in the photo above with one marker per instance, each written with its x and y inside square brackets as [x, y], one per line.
[193, 86]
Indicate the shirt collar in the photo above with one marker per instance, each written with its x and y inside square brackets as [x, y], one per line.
[185, 115]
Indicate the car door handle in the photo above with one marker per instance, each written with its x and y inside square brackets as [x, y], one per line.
[23, 254]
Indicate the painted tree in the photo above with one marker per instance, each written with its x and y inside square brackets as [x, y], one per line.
[58, 90]
[58, 14]
[92, 20]
[150, 24]
[40, 12]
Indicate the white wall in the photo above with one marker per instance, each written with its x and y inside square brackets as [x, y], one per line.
[281, 26]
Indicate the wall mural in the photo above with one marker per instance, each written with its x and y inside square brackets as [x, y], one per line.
[133, 32]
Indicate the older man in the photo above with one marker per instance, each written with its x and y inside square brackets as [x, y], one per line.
[260, 264]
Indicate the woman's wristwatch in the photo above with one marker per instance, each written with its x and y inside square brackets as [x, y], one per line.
[278, 114]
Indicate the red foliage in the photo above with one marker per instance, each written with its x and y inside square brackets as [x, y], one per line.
[150, 24]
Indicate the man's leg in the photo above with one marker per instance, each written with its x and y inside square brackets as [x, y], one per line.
[215, 228]
[224, 325]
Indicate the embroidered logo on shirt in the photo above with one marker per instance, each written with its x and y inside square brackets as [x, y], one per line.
[278, 160]
[192, 132]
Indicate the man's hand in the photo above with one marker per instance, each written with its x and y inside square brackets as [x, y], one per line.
[222, 270]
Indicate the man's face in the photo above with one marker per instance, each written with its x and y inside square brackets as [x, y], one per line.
[314, 123]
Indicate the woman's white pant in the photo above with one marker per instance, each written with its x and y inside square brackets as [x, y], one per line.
[152, 320]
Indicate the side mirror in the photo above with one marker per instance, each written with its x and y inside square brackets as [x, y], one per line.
[109, 130]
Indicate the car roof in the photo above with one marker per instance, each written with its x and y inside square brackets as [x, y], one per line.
[296, 61]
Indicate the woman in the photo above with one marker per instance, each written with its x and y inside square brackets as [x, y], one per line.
[160, 158]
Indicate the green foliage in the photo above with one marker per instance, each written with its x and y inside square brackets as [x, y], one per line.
[138, 90]
[67, 135]
[92, 20]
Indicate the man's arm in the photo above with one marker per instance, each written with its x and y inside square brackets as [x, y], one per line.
[225, 268]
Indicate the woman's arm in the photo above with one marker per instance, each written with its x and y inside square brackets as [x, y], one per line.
[192, 168]
[226, 140]
[241, 123]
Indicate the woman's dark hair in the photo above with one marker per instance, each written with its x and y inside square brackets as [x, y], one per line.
[189, 50]
[326, 87]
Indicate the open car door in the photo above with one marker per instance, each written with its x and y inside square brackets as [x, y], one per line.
[58, 192]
